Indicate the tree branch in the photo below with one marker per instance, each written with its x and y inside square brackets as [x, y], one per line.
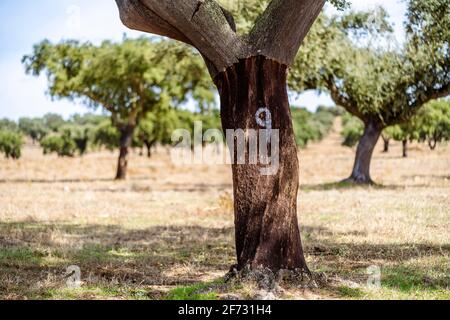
[201, 23]
[432, 94]
[424, 98]
[342, 101]
[136, 16]
[280, 30]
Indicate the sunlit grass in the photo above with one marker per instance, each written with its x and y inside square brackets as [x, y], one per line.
[167, 233]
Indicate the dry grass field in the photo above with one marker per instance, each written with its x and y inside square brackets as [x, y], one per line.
[167, 232]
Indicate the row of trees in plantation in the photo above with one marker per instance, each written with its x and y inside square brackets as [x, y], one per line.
[80, 133]
[128, 80]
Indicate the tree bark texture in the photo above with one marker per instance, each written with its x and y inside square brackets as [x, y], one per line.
[250, 72]
[126, 138]
[361, 168]
[267, 232]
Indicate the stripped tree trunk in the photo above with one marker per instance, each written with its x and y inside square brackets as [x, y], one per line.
[250, 73]
[267, 233]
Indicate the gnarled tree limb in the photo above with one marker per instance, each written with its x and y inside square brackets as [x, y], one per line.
[280, 30]
[201, 23]
[277, 34]
[136, 16]
[343, 101]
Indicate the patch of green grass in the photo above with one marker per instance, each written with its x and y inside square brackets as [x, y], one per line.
[408, 279]
[21, 256]
[195, 292]
[348, 292]
[90, 292]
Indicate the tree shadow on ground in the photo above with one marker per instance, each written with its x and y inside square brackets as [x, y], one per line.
[73, 180]
[350, 186]
[34, 257]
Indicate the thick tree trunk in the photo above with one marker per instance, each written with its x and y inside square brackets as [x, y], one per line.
[364, 152]
[267, 232]
[385, 144]
[405, 148]
[126, 138]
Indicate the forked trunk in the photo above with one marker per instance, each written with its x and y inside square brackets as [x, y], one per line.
[405, 148]
[266, 225]
[126, 138]
[364, 152]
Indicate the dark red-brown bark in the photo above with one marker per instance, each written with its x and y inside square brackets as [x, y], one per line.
[266, 225]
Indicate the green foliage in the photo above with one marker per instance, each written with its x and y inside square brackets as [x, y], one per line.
[200, 291]
[127, 79]
[11, 144]
[106, 135]
[8, 125]
[352, 130]
[434, 122]
[246, 12]
[158, 127]
[311, 126]
[63, 145]
[53, 121]
[88, 119]
[81, 135]
[375, 80]
[35, 128]
[431, 124]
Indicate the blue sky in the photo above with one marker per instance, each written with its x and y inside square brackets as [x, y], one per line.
[26, 22]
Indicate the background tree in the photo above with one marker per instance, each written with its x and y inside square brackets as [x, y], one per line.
[433, 123]
[61, 144]
[107, 135]
[250, 72]
[11, 143]
[34, 128]
[430, 124]
[8, 125]
[312, 127]
[53, 121]
[380, 85]
[352, 130]
[127, 79]
[157, 127]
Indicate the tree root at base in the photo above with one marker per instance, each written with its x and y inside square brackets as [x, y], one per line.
[272, 281]
[359, 181]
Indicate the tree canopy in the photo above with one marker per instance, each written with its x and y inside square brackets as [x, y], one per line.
[127, 79]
